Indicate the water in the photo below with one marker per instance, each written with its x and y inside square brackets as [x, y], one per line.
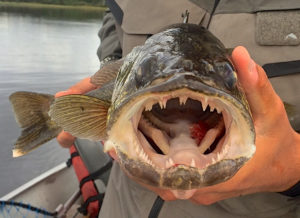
[42, 52]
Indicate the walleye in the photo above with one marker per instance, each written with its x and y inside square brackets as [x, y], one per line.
[172, 109]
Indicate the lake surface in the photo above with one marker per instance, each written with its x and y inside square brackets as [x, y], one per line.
[42, 51]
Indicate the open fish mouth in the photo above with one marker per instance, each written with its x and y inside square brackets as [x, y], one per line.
[183, 139]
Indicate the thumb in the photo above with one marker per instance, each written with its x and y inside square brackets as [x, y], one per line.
[259, 91]
[65, 139]
[81, 87]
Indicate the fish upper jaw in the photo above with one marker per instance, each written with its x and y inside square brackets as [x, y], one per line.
[132, 137]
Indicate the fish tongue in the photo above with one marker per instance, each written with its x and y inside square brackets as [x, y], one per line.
[184, 151]
[182, 141]
[184, 194]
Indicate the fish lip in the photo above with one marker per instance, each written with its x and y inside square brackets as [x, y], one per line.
[184, 80]
[180, 177]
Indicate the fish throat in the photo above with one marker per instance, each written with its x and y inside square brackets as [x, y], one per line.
[178, 124]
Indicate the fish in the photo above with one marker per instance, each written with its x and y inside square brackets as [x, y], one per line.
[173, 110]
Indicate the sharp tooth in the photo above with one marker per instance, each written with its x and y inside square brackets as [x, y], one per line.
[161, 104]
[140, 154]
[148, 107]
[165, 103]
[218, 156]
[218, 110]
[167, 164]
[225, 150]
[171, 162]
[212, 108]
[147, 159]
[213, 160]
[151, 163]
[145, 155]
[204, 103]
[137, 150]
[183, 100]
[193, 163]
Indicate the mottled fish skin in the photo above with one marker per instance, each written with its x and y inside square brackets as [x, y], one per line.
[186, 51]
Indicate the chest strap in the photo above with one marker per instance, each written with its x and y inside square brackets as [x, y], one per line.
[282, 68]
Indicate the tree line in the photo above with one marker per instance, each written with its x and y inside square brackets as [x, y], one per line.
[66, 2]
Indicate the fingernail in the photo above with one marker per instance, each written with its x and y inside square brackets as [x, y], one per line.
[61, 93]
[253, 70]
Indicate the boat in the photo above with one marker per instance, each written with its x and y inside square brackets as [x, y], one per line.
[45, 192]
[58, 191]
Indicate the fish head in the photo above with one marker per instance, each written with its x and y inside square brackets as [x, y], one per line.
[179, 119]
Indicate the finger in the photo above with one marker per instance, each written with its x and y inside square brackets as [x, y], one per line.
[258, 89]
[210, 198]
[165, 194]
[81, 87]
[63, 93]
[65, 139]
[113, 154]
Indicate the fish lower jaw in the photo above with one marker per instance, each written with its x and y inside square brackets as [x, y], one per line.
[188, 155]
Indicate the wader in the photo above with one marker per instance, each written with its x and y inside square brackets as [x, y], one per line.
[270, 30]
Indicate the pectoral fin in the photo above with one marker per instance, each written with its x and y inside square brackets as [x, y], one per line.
[82, 116]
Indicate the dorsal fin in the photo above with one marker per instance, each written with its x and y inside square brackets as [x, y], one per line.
[107, 73]
[104, 93]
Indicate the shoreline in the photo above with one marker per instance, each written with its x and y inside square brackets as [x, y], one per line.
[34, 5]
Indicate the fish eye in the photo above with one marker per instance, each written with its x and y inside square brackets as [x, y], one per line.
[227, 72]
[149, 64]
[147, 68]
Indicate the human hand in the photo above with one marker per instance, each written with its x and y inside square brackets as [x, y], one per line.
[275, 166]
[65, 139]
